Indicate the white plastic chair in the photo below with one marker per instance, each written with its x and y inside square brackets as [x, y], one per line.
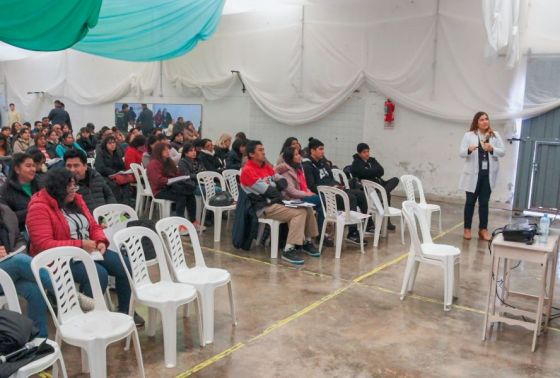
[113, 219]
[274, 234]
[165, 296]
[11, 299]
[410, 184]
[92, 331]
[425, 251]
[342, 218]
[207, 183]
[145, 196]
[379, 207]
[231, 176]
[204, 279]
[340, 177]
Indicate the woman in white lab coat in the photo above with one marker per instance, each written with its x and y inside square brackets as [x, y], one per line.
[481, 148]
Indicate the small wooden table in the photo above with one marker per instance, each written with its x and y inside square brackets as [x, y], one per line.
[544, 254]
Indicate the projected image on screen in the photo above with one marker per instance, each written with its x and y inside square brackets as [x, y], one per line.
[130, 116]
[166, 114]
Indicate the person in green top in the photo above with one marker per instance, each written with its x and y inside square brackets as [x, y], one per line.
[20, 187]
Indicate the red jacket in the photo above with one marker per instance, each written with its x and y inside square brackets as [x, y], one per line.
[48, 228]
[156, 177]
[132, 155]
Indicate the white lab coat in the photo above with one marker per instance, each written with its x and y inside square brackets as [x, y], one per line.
[469, 177]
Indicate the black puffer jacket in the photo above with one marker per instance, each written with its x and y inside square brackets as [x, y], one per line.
[95, 190]
[189, 167]
[367, 170]
[233, 160]
[210, 162]
[13, 196]
[107, 164]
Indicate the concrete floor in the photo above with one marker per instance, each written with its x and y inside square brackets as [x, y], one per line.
[345, 318]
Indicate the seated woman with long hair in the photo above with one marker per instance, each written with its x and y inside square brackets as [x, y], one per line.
[109, 162]
[160, 170]
[21, 185]
[292, 171]
[61, 218]
[135, 151]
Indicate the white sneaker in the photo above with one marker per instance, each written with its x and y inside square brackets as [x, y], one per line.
[86, 303]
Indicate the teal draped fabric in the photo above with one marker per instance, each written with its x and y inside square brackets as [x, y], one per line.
[151, 30]
[46, 25]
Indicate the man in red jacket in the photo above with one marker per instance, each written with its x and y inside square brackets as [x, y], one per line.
[259, 182]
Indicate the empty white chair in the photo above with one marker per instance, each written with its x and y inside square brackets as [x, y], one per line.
[11, 299]
[91, 331]
[204, 279]
[342, 218]
[165, 296]
[340, 177]
[115, 217]
[411, 184]
[379, 207]
[207, 184]
[145, 196]
[425, 251]
[231, 176]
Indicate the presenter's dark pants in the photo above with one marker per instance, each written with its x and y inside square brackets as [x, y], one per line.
[482, 193]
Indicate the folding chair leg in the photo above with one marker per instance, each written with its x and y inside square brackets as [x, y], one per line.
[322, 236]
[402, 230]
[217, 224]
[407, 274]
[378, 221]
[274, 236]
[232, 304]
[203, 220]
[339, 238]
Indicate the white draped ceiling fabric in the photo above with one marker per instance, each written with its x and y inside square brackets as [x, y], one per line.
[298, 63]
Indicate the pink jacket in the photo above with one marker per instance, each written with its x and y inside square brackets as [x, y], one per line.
[293, 191]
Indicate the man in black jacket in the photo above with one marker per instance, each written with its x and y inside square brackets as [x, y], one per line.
[365, 167]
[318, 172]
[146, 120]
[92, 186]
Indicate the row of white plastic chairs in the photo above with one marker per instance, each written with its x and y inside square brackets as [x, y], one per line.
[179, 285]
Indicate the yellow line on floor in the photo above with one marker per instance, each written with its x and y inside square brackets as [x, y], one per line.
[301, 312]
[211, 360]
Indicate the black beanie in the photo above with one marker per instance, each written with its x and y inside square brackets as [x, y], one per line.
[361, 147]
[314, 143]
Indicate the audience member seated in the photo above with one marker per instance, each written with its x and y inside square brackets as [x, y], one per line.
[121, 140]
[16, 128]
[177, 141]
[40, 165]
[66, 129]
[365, 167]
[24, 141]
[189, 165]
[87, 141]
[150, 143]
[109, 162]
[208, 158]
[135, 151]
[40, 144]
[62, 218]
[67, 143]
[234, 158]
[289, 142]
[190, 133]
[160, 170]
[56, 127]
[7, 133]
[52, 142]
[318, 172]
[21, 185]
[37, 127]
[292, 170]
[92, 186]
[46, 123]
[18, 267]
[222, 147]
[5, 148]
[263, 188]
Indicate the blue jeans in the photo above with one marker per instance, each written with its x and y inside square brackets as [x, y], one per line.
[110, 265]
[19, 269]
[314, 199]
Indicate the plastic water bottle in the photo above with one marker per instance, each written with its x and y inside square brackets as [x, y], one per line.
[544, 226]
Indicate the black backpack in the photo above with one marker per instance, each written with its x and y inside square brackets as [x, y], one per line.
[16, 331]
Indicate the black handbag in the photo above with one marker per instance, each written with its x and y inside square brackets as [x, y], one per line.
[221, 199]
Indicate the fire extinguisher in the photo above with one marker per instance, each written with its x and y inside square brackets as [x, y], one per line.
[389, 110]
